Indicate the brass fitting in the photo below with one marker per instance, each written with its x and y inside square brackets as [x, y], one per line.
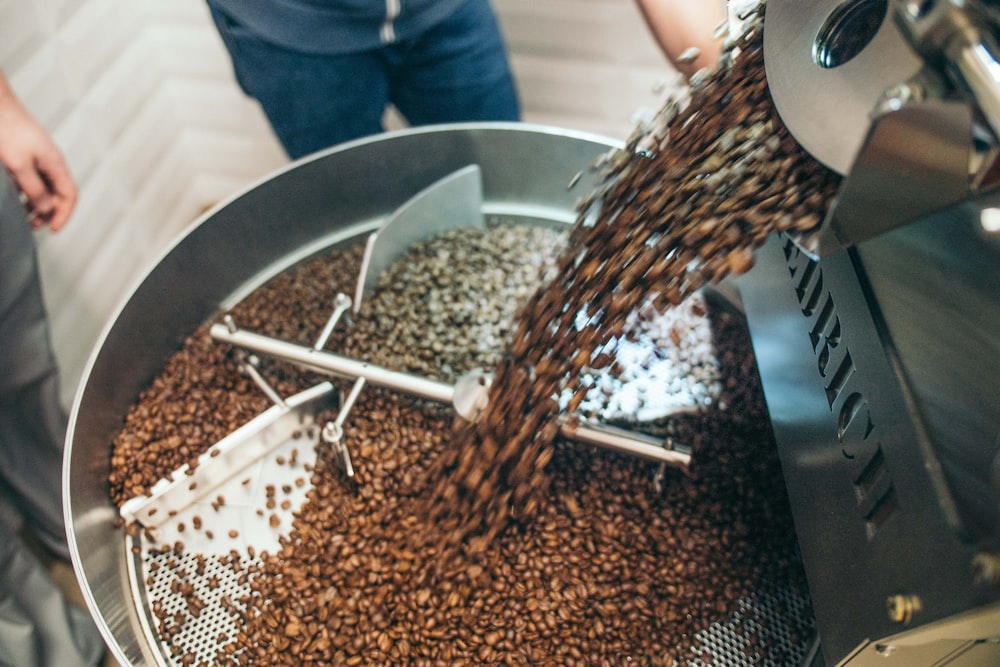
[901, 608]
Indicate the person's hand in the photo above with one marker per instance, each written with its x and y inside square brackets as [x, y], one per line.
[35, 163]
[685, 31]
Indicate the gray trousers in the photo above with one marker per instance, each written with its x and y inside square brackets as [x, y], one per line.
[37, 625]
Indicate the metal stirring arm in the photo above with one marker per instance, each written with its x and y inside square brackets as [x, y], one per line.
[468, 396]
[333, 433]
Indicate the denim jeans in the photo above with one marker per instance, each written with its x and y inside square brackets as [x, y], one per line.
[455, 71]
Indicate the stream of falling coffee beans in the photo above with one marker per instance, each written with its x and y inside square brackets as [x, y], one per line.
[685, 204]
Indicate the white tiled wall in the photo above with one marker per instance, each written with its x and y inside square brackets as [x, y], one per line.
[140, 96]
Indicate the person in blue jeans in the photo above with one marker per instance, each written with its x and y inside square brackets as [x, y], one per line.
[324, 70]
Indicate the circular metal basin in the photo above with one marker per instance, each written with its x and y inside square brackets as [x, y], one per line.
[312, 204]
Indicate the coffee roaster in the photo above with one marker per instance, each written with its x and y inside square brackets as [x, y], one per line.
[876, 337]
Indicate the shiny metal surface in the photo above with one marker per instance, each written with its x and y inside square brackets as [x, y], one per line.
[335, 364]
[899, 116]
[341, 304]
[315, 203]
[956, 34]
[227, 458]
[454, 201]
[625, 442]
[827, 108]
[880, 362]
[330, 199]
[915, 161]
[880, 369]
[617, 439]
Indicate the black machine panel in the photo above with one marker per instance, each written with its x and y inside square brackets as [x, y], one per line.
[881, 369]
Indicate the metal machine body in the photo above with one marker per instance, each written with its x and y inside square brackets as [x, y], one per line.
[877, 339]
[879, 366]
[900, 96]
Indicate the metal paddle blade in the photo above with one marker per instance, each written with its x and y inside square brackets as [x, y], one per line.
[234, 455]
[454, 201]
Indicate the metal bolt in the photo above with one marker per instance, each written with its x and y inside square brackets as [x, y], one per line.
[989, 220]
[919, 8]
[901, 608]
[885, 650]
[986, 568]
[898, 96]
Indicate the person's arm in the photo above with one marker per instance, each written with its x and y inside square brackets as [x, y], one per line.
[679, 25]
[35, 163]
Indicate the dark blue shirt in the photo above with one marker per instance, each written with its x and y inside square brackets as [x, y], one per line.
[336, 26]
